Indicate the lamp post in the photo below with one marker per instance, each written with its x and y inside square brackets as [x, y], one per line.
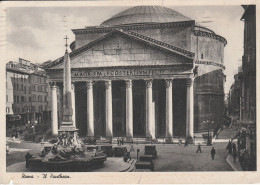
[208, 122]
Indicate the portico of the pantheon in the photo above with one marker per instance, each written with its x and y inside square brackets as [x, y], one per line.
[148, 71]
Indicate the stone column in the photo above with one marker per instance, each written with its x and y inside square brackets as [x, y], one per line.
[73, 103]
[90, 112]
[189, 109]
[54, 113]
[109, 123]
[169, 131]
[60, 91]
[129, 109]
[150, 123]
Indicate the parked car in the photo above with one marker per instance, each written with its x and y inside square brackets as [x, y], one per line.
[107, 149]
[144, 165]
[92, 147]
[150, 150]
[119, 151]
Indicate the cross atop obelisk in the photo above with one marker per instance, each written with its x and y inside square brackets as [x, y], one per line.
[66, 45]
[67, 122]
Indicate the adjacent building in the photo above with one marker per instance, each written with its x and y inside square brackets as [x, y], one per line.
[234, 96]
[248, 88]
[26, 93]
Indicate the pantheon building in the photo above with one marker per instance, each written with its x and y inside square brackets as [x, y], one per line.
[146, 72]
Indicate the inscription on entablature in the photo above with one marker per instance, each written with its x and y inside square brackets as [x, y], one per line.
[112, 73]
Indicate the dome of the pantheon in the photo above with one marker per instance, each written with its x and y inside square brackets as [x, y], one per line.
[145, 14]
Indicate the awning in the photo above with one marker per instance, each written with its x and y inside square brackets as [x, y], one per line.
[246, 122]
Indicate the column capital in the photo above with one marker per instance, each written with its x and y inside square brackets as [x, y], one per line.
[189, 81]
[108, 84]
[168, 82]
[53, 85]
[128, 84]
[149, 83]
[89, 84]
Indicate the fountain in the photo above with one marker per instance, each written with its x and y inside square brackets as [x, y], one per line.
[68, 153]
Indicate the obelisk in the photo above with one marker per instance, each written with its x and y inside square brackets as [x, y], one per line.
[67, 122]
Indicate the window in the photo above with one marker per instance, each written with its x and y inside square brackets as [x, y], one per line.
[22, 87]
[201, 56]
[34, 98]
[40, 108]
[14, 99]
[30, 99]
[25, 89]
[6, 98]
[17, 99]
[7, 110]
[22, 99]
[39, 98]
[45, 98]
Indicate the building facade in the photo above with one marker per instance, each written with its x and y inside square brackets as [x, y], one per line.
[247, 138]
[234, 95]
[148, 71]
[26, 93]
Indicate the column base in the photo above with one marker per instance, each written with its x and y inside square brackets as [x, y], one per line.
[109, 139]
[129, 139]
[190, 139]
[151, 139]
[169, 140]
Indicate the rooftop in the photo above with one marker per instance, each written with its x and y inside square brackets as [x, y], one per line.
[145, 14]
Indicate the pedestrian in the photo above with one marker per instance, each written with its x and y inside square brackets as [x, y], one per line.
[118, 141]
[234, 156]
[16, 134]
[42, 141]
[199, 148]
[229, 147]
[26, 126]
[122, 141]
[132, 148]
[27, 157]
[186, 143]
[180, 141]
[234, 147]
[7, 149]
[13, 136]
[213, 152]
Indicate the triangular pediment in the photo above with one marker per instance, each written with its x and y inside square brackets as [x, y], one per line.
[121, 49]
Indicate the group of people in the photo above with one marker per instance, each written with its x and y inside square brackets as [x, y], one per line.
[186, 143]
[120, 141]
[15, 134]
[232, 150]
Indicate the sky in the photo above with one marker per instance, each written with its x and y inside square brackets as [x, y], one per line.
[37, 33]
